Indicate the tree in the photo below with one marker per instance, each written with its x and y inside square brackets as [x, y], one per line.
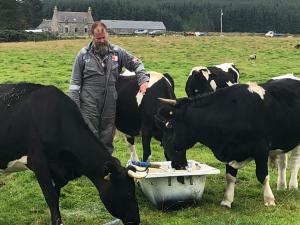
[32, 10]
[178, 15]
[11, 16]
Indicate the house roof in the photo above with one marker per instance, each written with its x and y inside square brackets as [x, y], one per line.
[74, 17]
[44, 24]
[130, 24]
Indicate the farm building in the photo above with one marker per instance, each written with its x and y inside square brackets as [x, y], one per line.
[79, 23]
[68, 23]
[45, 25]
[130, 26]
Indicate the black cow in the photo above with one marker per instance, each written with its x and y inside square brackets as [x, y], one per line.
[208, 79]
[43, 130]
[135, 112]
[238, 123]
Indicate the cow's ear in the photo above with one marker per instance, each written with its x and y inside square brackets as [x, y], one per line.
[196, 73]
[205, 73]
[112, 169]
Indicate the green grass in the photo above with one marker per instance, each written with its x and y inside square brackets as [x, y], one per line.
[51, 63]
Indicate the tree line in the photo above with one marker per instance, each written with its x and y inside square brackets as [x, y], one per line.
[177, 15]
[20, 14]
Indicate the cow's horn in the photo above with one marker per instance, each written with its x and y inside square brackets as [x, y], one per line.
[169, 101]
[107, 177]
[140, 169]
[136, 175]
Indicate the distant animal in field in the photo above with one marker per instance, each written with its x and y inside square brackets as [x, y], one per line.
[297, 46]
[252, 57]
[188, 33]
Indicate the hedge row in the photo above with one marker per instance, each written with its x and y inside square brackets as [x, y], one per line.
[20, 35]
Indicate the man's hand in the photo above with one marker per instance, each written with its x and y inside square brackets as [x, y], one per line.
[143, 87]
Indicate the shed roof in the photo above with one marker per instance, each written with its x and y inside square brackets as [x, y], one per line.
[130, 24]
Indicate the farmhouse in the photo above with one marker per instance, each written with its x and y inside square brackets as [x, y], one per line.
[130, 26]
[79, 23]
[68, 23]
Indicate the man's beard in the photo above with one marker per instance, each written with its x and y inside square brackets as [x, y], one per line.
[101, 48]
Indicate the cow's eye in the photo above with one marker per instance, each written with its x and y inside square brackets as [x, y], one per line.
[168, 125]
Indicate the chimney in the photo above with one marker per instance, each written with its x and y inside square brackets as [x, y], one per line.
[90, 11]
[55, 10]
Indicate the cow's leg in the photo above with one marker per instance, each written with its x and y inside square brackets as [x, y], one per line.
[131, 148]
[146, 139]
[229, 192]
[295, 164]
[38, 164]
[282, 163]
[261, 161]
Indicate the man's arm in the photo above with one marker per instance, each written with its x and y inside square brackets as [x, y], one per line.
[76, 79]
[134, 64]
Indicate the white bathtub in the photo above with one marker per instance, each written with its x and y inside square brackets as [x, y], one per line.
[168, 188]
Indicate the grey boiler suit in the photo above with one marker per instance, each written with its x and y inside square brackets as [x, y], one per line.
[88, 86]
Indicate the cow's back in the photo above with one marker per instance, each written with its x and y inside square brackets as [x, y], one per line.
[31, 114]
[270, 111]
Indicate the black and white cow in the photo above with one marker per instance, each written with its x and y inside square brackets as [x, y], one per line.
[240, 123]
[135, 112]
[208, 79]
[282, 159]
[43, 130]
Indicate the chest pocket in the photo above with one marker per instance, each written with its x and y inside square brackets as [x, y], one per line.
[91, 68]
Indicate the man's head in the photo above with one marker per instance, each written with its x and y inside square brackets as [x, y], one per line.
[100, 37]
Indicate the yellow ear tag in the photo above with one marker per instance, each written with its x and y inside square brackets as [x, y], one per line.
[107, 177]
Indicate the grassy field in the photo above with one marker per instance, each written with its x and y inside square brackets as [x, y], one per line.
[51, 63]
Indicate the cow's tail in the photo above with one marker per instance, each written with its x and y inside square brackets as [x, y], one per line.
[170, 80]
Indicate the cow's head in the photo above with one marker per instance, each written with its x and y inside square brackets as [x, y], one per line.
[177, 138]
[198, 82]
[117, 192]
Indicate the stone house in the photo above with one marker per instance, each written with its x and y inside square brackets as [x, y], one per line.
[69, 23]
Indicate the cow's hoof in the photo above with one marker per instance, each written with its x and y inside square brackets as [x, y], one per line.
[270, 202]
[149, 158]
[293, 186]
[226, 204]
[281, 186]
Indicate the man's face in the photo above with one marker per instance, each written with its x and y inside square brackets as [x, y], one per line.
[100, 36]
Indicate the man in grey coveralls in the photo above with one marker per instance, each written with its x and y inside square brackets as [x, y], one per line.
[92, 86]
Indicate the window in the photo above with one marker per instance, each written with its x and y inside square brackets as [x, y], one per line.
[85, 29]
[76, 29]
[66, 30]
